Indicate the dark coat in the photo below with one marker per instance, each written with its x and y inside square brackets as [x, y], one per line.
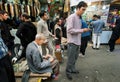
[26, 33]
[6, 35]
[116, 29]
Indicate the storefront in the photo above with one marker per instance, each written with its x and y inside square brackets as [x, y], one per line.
[102, 8]
[16, 7]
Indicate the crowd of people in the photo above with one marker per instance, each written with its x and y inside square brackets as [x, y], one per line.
[37, 42]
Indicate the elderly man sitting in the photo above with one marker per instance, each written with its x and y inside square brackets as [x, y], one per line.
[36, 61]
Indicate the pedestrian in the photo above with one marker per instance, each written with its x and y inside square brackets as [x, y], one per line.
[98, 25]
[6, 68]
[85, 37]
[42, 27]
[26, 33]
[5, 33]
[58, 31]
[90, 26]
[74, 38]
[115, 35]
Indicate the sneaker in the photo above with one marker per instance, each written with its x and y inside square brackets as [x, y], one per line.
[109, 50]
[75, 72]
[93, 47]
[69, 76]
[81, 55]
[97, 48]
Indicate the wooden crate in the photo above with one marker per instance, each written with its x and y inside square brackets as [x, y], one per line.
[118, 41]
[58, 55]
[33, 77]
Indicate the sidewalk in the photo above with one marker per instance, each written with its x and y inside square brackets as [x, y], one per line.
[96, 66]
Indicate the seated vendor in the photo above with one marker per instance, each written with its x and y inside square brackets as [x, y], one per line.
[36, 61]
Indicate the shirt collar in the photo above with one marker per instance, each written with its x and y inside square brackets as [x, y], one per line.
[43, 20]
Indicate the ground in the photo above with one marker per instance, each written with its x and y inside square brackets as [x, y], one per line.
[97, 66]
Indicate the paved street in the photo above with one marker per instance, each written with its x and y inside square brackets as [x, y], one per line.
[96, 66]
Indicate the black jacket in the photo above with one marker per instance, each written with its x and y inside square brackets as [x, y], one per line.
[6, 35]
[26, 33]
[116, 30]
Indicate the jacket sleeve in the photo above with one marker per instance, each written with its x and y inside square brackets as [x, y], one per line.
[37, 61]
[19, 31]
[39, 27]
[58, 34]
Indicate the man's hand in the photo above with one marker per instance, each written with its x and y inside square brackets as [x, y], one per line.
[14, 59]
[49, 57]
[86, 29]
[53, 36]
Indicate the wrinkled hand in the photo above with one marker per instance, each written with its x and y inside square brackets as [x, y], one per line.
[14, 59]
[53, 36]
[9, 53]
[51, 59]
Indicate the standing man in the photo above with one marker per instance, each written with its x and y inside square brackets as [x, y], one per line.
[115, 35]
[85, 37]
[58, 31]
[26, 33]
[5, 32]
[6, 69]
[74, 38]
[97, 30]
[42, 27]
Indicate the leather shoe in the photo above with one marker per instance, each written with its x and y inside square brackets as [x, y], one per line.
[93, 47]
[75, 72]
[97, 48]
[69, 76]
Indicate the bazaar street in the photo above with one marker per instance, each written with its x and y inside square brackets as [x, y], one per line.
[96, 66]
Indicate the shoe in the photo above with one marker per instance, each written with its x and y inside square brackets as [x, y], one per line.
[75, 72]
[69, 76]
[97, 48]
[109, 50]
[81, 55]
[93, 47]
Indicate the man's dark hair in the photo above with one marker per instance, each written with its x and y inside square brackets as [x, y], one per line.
[98, 16]
[42, 13]
[95, 15]
[3, 12]
[57, 20]
[81, 4]
[26, 16]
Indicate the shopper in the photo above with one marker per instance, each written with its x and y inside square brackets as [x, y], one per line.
[115, 35]
[97, 30]
[5, 32]
[58, 31]
[26, 33]
[6, 69]
[85, 37]
[74, 38]
[42, 27]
